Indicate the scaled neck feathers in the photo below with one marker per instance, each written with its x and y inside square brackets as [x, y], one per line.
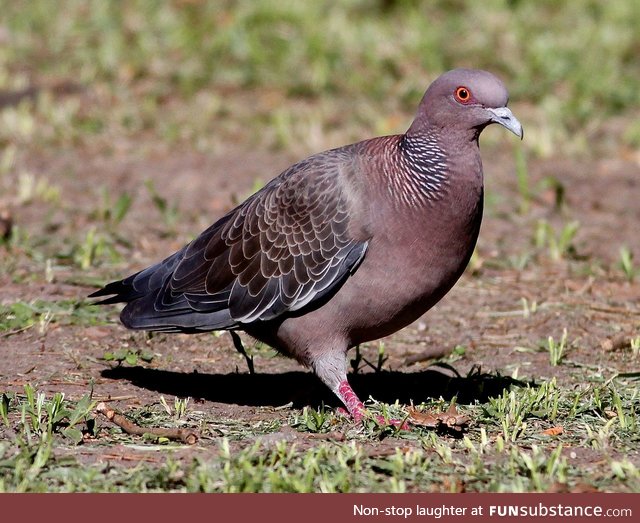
[421, 173]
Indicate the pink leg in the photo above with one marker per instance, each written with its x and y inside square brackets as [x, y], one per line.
[357, 410]
[351, 401]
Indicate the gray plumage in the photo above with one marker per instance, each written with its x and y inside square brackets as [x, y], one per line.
[347, 246]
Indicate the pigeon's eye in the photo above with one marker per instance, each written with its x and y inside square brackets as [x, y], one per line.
[463, 95]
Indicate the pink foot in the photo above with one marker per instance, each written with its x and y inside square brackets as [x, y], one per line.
[357, 410]
[343, 412]
[354, 406]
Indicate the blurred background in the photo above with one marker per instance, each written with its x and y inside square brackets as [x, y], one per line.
[307, 75]
[127, 127]
[125, 122]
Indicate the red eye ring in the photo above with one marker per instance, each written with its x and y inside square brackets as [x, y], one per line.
[463, 95]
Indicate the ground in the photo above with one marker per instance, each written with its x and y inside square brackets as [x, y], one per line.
[491, 331]
[126, 130]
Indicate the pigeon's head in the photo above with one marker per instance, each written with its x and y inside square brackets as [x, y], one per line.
[465, 100]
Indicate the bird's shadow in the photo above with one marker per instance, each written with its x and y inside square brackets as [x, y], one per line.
[304, 389]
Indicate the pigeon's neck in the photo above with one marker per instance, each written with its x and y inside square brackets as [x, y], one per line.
[421, 170]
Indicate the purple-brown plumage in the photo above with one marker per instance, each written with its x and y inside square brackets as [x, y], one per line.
[345, 247]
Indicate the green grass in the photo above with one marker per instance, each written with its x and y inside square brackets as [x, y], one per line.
[557, 349]
[20, 315]
[626, 263]
[505, 449]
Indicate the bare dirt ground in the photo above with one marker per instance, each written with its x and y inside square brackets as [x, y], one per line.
[584, 292]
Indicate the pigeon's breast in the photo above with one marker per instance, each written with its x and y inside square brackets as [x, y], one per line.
[410, 264]
[410, 272]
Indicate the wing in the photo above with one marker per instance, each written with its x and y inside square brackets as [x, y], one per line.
[286, 247]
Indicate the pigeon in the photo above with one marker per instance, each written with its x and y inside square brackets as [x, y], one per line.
[345, 247]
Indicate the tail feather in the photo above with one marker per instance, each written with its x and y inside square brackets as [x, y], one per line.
[139, 284]
[141, 314]
[118, 292]
[143, 293]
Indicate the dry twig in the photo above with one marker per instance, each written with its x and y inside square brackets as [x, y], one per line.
[187, 436]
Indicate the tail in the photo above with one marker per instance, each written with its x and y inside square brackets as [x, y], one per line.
[143, 292]
[118, 291]
[139, 284]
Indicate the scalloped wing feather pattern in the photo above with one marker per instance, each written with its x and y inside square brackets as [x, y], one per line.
[283, 248]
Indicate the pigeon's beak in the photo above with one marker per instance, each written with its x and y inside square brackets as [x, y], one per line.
[504, 117]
